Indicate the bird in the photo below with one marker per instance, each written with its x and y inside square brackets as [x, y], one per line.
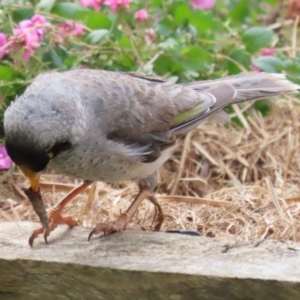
[112, 126]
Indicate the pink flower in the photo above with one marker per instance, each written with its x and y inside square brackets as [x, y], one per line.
[71, 28]
[117, 4]
[5, 161]
[31, 33]
[39, 22]
[150, 36]
[268, 52]
[3, 42]
[96, 4]
[141, 15]
[203, 4]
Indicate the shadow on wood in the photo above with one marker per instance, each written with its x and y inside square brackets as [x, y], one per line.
[143, 265]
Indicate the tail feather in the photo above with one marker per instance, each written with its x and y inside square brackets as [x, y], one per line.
[252, 86]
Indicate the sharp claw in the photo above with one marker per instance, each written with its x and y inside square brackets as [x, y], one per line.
[31, 240]
[91, 234]
[105, 228]
[34, 235]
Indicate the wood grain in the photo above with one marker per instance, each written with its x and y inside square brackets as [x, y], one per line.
[143, 265]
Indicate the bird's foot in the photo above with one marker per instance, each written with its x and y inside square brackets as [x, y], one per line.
[55, 218]
[110, 227]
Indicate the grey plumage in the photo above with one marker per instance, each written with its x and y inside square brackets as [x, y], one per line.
[121, 126]
[251, 86]
[111, 126]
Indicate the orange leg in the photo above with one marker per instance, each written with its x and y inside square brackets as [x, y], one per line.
[122, 222]
[55, 216]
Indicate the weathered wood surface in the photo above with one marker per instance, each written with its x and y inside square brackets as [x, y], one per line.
[142, 266]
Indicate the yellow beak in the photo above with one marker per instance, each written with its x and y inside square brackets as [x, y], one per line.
[33, 177]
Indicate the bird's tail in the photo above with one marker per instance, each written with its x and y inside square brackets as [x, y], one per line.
[251, 86]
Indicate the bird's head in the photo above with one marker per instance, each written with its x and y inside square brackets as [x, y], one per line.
[41, 124]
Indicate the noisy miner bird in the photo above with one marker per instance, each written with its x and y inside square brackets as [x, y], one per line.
[106, 126]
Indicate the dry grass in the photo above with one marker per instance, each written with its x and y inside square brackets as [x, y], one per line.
[222, 181]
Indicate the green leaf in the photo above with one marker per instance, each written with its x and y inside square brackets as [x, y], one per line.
[165, 27]
[194, 58]
[69, 62]
[46, 5]
[22, 14]
[256, 38]
[66, 9]
[272, 2]
[240, 10]
[116, 33]
[205, 22]
[202, 20]
[93, 19]
[182, 13]
[56, 59]
[96, 36]
[6, 73]
[157, 3]
[263, 107]
[165, 64]
[292, 67]
[270, 64]
[124, 42]
[241, 57]
[126, 61]
[169, 43]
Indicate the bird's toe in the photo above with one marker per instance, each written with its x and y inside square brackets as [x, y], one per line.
[110, 227]
[54, 219]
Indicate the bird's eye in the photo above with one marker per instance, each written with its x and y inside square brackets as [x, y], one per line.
[58, 148]
[50, 155]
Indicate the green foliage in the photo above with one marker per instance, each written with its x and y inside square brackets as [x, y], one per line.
[269, 64]
[182, 44]
[256, 38]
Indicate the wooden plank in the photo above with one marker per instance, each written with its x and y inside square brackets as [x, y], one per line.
[143, 265]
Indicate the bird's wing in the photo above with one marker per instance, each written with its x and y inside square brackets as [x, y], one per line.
[129, 105]
[142, 110]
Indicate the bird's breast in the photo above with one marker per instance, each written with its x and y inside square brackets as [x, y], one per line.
[107, 167]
